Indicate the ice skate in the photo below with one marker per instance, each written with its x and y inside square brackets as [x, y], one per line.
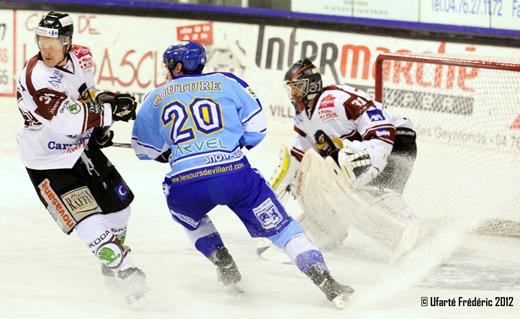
[227, 270]
[132, 281]
[107, 272]
[334, 291]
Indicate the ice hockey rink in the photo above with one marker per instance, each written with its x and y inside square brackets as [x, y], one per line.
[43, 274]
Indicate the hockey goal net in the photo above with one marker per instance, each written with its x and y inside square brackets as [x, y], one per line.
[467, 113]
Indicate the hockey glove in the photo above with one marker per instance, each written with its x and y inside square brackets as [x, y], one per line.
[164, 157]
[101, 137]
[123, 105]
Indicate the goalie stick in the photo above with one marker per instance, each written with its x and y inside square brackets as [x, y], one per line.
[267, 251]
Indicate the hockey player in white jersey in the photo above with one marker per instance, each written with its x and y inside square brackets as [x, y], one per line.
[374, 147]
[65, 126]
[204, 121]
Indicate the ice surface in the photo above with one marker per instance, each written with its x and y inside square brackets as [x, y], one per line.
[45, 274]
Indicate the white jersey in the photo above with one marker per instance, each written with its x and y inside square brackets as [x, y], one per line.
[59, 119]
[345, 112]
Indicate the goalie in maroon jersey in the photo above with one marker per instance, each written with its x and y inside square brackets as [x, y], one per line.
[372, 145]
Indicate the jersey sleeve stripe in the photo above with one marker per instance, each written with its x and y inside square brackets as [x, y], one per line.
[145, 145]
[349, 135]
[298, 154]
[299, 131]
[255, 112]
[85, 119]
[235, 78]
[28, 74]
[387, 137]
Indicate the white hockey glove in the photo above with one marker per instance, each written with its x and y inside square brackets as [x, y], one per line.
[284, 176]
[371, 155]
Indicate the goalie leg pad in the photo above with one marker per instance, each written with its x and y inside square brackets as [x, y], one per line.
[374, 216]
[324, 219]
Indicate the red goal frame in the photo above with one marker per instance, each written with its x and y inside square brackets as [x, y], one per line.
[470, 61]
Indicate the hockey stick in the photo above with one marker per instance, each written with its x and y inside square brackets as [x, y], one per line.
[267, 251]
[122, 145]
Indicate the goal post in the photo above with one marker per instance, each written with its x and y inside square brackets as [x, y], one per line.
[466, 109]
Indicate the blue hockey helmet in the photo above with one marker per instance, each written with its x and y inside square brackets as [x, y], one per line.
[190, 54]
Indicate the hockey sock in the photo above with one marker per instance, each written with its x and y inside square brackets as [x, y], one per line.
[103, 243]
[118, 222]
[205, 238]
[298, 247]
[304, 254]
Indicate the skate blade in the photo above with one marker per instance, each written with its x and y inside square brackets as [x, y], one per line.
[342, 300]
[235, 289]
[138, 302]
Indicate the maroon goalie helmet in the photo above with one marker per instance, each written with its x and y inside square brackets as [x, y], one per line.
[303, 84]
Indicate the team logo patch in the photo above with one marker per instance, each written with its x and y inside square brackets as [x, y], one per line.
[268, 214]
[56, 207]
[326, 114]
[56, 78]
[383, 133]
[375, 115]
[80, 203]
[110, 254]
[122, 190]
[327, 101]
[74, 108]
[46, 32]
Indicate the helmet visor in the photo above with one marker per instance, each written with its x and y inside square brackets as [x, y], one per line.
[297, 89]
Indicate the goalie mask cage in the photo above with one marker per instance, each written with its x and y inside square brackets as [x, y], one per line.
[467, 115]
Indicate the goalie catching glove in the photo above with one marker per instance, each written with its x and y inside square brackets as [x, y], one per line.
[123, 105]
[363, 161]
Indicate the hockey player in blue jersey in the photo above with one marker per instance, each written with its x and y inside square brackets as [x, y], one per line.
[200, 123]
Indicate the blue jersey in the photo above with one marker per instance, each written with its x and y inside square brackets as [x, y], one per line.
[204, 120]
